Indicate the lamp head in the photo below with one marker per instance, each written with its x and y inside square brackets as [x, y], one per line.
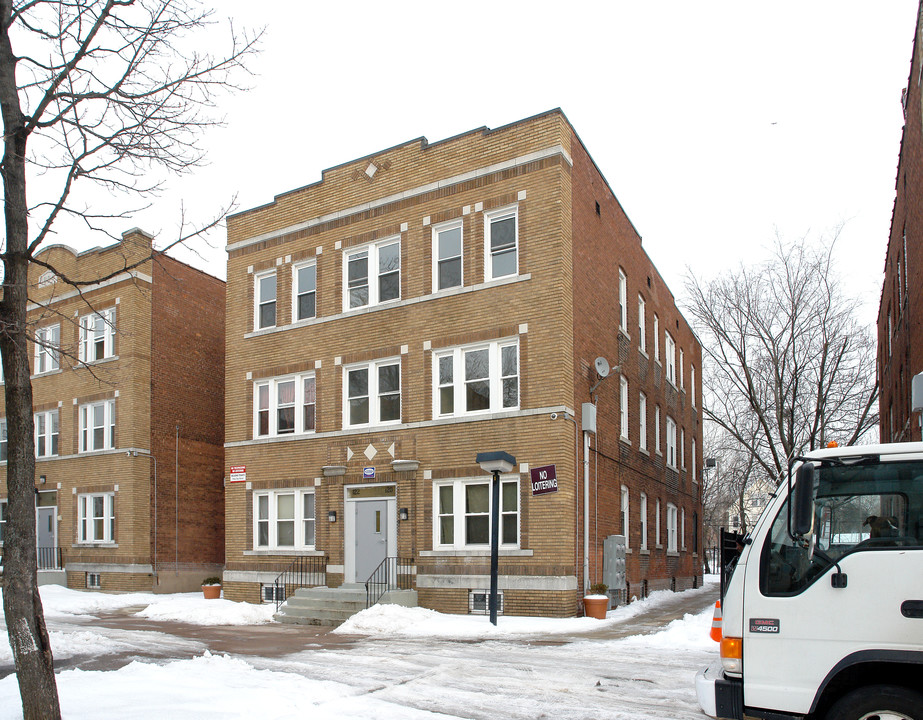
[497, 461]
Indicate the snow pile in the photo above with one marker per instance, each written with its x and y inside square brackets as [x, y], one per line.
[70, 644]
[193, 608]
[688, 633]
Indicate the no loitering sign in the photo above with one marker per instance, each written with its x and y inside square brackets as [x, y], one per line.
[238, 473]
[544, 480]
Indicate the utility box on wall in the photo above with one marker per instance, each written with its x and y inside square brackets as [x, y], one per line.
[614, 564]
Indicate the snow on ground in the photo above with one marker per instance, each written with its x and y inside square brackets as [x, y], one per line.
[410, 666]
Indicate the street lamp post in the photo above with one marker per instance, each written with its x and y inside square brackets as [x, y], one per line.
[495, 463]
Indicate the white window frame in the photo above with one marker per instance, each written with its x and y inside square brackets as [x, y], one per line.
[682, 528]
[625, 506]
[692, 461]
[657, 429]
[459, 539]
[671, 528]
[656, 338]
[657, 542]
[643, 518]
[91, 336]
[642, 324]
[299, 518]
[489, 219]
[669, 351]
[87, 432]
[50, 438]
[374, 396]
[682, 378]
[273, 406]
[671, 442]
[47, 352]
[259, 302]
[682, 448]
[623, 407]
[495, 379]
[87, 530]
[692, 384]
[297, 291]
[373, 274]
[642, 421]
[623, 301]
[437, 231]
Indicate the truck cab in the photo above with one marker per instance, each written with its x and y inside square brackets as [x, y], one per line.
[823, 612]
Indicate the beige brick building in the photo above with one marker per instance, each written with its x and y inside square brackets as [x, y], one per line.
[436, 300]
[125, 370]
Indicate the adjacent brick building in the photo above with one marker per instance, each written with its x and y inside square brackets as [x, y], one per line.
[436, 300]
[900, 313]
[125, 370]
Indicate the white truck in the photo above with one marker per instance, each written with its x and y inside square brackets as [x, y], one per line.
[823, 611]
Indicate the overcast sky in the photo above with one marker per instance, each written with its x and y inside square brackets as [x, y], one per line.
[717, 124]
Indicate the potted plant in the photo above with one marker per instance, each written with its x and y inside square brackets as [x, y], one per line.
[211, 588]
[597, 602]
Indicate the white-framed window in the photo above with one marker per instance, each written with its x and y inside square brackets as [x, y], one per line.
[448, 270]
[692, 384]
[682, 378]
[657, 525]
[264, 300]
[462, 513]
[501, 243]
[2, 520]
[625, 514]
[692, 460]
[642, 324]
[97, 336]
[96, 518]
[671, 527]
[657, 429]
[372, 274]
[669, 351]
[476, 378]
[671, 442]
[642, 421]
[623, 301]
[623, 407]
[304, 291]
[4, 446]
[285, 405]
[47, 344]
[682, 448]
[643, 518]
[47, 429]
[372, 393]
[656, 338]
[682, 528]
[284, 519]
[97, 426]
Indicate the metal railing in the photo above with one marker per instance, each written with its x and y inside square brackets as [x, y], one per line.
[50, 558]
[393, 573]
[305, 571]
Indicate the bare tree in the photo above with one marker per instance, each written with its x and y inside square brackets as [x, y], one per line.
[788, 367]
[93, 93]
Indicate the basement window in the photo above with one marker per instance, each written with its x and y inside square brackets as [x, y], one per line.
[93, 581]
[479, 602]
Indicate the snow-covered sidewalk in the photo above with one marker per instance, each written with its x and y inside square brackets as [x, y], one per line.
[414, 663]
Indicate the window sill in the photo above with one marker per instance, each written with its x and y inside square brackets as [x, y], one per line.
[645, 451]
[658, 546]
[307, 552]
[102, 361]
[94, 545]
[672, 553]
[624, 440]
[510, 552]
[56, 371]
[645, 551]
[643, 352]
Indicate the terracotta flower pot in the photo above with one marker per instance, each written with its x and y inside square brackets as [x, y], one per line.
[211, 592]
[595, 606]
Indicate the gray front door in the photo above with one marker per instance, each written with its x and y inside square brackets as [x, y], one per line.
[371, 536]
[46, 537]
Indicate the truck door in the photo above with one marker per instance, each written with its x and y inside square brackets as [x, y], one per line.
[797, 625]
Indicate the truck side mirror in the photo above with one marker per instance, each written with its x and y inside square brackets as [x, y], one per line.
[803, 500]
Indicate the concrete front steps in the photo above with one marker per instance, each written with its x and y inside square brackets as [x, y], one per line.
[333, 606]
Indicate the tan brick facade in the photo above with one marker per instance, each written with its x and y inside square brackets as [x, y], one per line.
[157, 384]
[518, 337]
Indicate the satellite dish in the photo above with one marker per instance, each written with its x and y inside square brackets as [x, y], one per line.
[602, 367]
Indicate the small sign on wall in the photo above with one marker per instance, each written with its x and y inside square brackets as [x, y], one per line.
[544, 480]
[238, 473]
[368, 473]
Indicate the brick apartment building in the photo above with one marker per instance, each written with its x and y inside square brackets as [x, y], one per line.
[436, 300]
[900, 313]
[126, 370]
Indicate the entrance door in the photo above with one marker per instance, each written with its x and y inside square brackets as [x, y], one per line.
[371, 532]
[46, 537]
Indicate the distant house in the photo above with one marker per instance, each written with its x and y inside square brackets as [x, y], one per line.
[128, 377]
[900, 334]
[432, 301]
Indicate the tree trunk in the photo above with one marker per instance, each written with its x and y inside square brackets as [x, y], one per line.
[22, 605]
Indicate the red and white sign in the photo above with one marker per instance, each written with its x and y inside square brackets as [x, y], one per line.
[238, 473]
[544, 480]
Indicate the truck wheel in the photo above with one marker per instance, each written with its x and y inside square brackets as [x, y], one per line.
[878, 702]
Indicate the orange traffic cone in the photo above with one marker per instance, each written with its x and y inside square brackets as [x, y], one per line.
[715, 633]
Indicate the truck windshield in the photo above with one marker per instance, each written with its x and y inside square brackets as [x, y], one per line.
[875, 507]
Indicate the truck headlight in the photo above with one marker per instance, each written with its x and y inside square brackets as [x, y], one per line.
[732, 655]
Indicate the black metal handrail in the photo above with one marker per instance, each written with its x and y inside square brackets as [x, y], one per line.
[305, 571]
[393, 573]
